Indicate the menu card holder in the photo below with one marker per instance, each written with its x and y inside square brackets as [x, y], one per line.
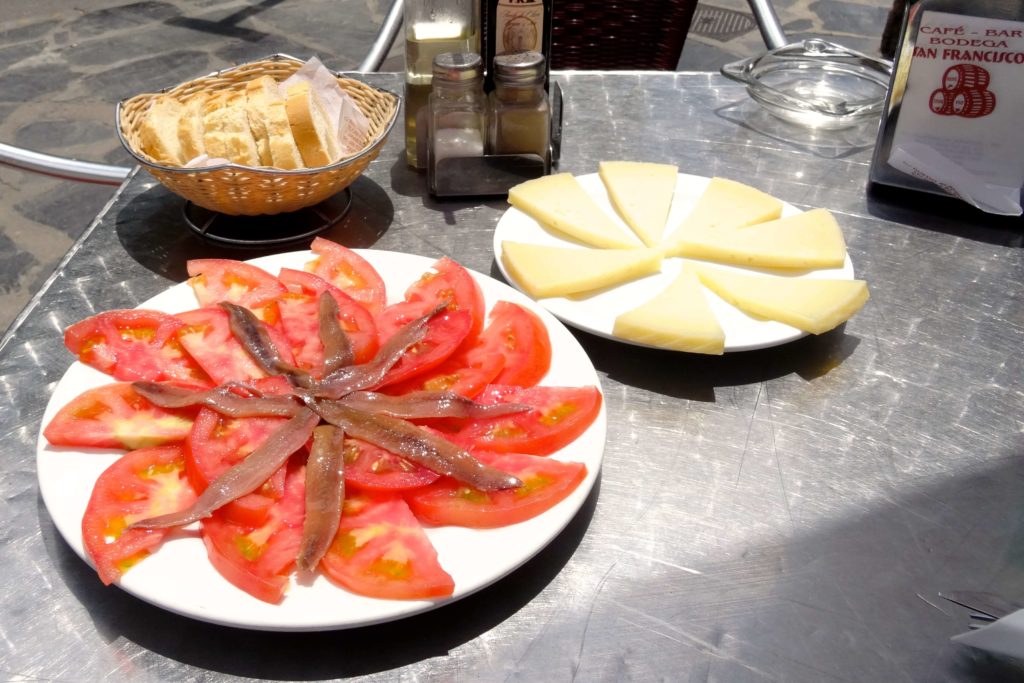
[951, 117]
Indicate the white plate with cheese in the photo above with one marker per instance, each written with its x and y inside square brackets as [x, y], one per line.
[596, 311]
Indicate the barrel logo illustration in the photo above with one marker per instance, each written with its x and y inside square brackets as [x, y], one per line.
[964, 92]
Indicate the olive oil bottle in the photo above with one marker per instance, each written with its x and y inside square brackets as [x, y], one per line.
[432, 27]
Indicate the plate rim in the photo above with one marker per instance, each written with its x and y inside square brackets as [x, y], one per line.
[555, 305]
[69, 525]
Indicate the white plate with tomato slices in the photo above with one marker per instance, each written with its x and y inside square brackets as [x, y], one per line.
[178, 576]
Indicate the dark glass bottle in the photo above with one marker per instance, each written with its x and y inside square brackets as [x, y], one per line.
[511, 26]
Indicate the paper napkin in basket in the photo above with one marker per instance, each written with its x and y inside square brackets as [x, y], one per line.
[351, 125]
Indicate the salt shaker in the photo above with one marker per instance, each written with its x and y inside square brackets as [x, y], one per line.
[518, 109]
[457, 107]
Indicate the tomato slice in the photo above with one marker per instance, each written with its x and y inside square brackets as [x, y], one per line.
[216, 443]
[260, 558]
[300, 319]
[349, 272]
[207, 337]
[445, 333]
[465, 372]
[513, 349]
[522, 337]
[134, 344]
[371, 468]
[142, 483]
[215, 280]
[560, 415]
[114, 416]
[546, 482]
[381, 551]
[446, 281]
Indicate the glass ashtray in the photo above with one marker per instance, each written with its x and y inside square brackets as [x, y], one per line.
[815, 83]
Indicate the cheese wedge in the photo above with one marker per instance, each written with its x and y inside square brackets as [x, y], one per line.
[724, 204]
[268, 120]
[642, 194]
[558, 202]
[807, 304]
[226, 131]
[158, 131]
[808, 240]
[544, 271]
[679, 318]
[190, 128]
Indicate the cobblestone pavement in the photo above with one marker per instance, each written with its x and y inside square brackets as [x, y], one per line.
[64, 65]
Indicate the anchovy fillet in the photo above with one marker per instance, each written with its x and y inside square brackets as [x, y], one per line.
[325, 493]
[221, 399]
[418, 445]
[245, 477]
[422, 404]
[338, 351]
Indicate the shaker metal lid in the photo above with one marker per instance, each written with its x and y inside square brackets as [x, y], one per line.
[519, 67]
[458, 66]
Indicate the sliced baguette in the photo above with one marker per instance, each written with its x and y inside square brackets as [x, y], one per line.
[158, 131]
[226, 131]
[190, 128]
[314, 134]
[268, 121]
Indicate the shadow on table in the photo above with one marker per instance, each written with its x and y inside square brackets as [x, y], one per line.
[320, 655]
[152, 229]
[409, 182]
[695, 376]
[945, 215]
[851, 599]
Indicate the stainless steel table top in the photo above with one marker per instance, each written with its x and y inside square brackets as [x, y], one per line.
[784, 514]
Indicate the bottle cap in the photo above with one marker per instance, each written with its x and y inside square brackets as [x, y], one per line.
[457, 66]
[520, 68]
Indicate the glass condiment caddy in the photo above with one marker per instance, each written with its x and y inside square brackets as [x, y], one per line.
[456, 111]
[522, 152]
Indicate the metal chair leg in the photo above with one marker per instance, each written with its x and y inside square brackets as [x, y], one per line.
[59, 167]
[385, 38]
[768, 23]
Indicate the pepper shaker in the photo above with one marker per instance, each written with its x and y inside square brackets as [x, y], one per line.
[518, 109]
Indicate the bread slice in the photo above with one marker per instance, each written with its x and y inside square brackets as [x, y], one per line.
[314, 133]
[190, 128]
[158, 131]
[268, 121]
[226, 131]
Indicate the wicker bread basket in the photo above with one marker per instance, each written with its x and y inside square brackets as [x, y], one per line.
[242, 190]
